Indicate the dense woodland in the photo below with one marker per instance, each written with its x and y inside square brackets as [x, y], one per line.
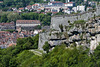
[10, 16]
[20, 56]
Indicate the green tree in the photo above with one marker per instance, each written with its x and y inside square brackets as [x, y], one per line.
[13, 17]
[46, 47]
[3, 18]
[61, 27]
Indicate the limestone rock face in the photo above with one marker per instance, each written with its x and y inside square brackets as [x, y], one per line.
[89, 36]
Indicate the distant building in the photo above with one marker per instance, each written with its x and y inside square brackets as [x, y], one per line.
[35, 6]
[67, 1]
[52, 0]
[81, 8]
[89, 8]
[44, 0]
[91, 3]
[55, 3]
[47, 9]
[1, 1]
[29, 8]
[7, 26]
[69, 4]
[21, 9]
[27, 24]
[37, 31]
[75, 9]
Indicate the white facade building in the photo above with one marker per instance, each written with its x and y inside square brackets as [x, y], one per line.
[52, 0]
[36, 32]
[69, 4]
[75, 9]
[81, 8]
[27, 23]
[67, 1]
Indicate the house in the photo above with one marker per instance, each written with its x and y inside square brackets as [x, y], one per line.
[14, 9]
[67, 11]
[91, 3]
[75, 9]
[1, 1]
[89, 8]
[7, 26]
[67, 1]
[44, 0]
[29, 8]
[55, 3]
[35, 6]
[69, 4]
[55, 10]
[81, 8]
[38, 10]
[37, 31]
[21, 9]
[52, 0]
[27, 24]
[47, 9]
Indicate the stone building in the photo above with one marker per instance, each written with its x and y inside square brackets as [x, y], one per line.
[27, 24]
[7, 26]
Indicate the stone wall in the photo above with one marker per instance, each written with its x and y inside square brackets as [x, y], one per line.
[43, 37]
[63, 19]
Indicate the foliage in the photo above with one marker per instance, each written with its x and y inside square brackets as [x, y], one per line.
[60, 56]
[61, 27]
[79, 22]
[28, 43]
[46, 47]
[10, 16]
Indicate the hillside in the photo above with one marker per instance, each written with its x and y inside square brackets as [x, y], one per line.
[23, 3]
[59, 57]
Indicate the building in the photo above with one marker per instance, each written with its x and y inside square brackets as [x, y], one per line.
[89, 8]
[67, 1]
[35, 6]
[55, 3]
[69, 4]
[21, 9]
[29, 8]
[27, 24]
[44, 0]
[81, 8]
[75, 9]
[52, 0]
[1, 1]
[7, 26]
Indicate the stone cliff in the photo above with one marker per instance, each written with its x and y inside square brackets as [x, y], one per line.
[86, 34]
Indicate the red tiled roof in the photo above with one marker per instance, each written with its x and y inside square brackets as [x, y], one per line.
[54, 12]
[69, 3]
[21, 8]
[27, 22]
[11, 44]
[29, 6]
[38, 9]
[56, 2]
[6, 24]
[1, 1]
[35, 5]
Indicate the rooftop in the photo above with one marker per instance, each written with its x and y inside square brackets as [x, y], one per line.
[27, 22]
